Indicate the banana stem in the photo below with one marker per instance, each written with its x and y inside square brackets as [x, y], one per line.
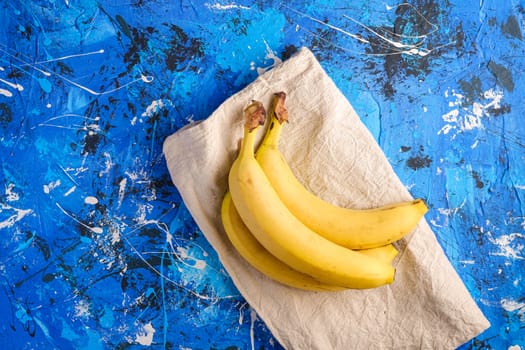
[279, 115]
[254, 117]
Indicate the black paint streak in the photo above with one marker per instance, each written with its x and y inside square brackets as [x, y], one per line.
[239, 25]
[472, 90]
[48, 277]
[405, 149]
[15, 73]
[503, 109]
[477, 344]
[288, 51]
[6, 115]
[124, 26]
[322, 43]
[26, 33]
[492, 21]
[91, 142]
[478, 235]
[43, 246]
[419, 162]
[139, 41]
[512, 27]
[182, 49]
[460, 38]
[150, 232]
[502, 74]
[64, 69]
[93, 137]
[163, 186]
[477, 178]
[124, 283]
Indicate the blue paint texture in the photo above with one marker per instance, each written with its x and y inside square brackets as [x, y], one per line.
[97, 250]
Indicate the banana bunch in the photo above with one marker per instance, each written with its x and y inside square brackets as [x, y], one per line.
[295, 237]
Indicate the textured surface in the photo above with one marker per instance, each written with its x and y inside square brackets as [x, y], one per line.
[96, 250]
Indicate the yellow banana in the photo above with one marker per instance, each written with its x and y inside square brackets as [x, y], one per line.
[283, 235]
[385, 253]
[257, 256]
[352, 228]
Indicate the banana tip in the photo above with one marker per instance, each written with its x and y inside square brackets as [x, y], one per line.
[420, 203]
[255, 115]
[279, 108]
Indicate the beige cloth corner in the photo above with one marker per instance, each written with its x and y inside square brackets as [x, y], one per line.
[332, 152]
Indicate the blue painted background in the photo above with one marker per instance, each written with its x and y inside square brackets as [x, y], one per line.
[97, 251]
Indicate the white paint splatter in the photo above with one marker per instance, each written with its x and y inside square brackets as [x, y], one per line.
[150, 195]
[145, 335]
[51, 186]
[270, 55]
[241, 313]
[82, 309]
[122, 190]
[191, 119]
[75, 171]
[511, 305]
[36, 66]
[142, 212]
[393, 43]
[114, 230]
[225, 7]
[97, 230]
[108, 164]
[143, 78]
[155, 106]
[434, 223]
[6, 93]
[10, 194]
[253, 318]
[71, 190]
[92, 128]
[142, 176]
[18, 215]
[183, 254]
[468, 117]
[91, 200]
[399, 46]
[13, 85]
[514, 347]
[62, 58]
[450, 211]
[509, 246]
[468, 262]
